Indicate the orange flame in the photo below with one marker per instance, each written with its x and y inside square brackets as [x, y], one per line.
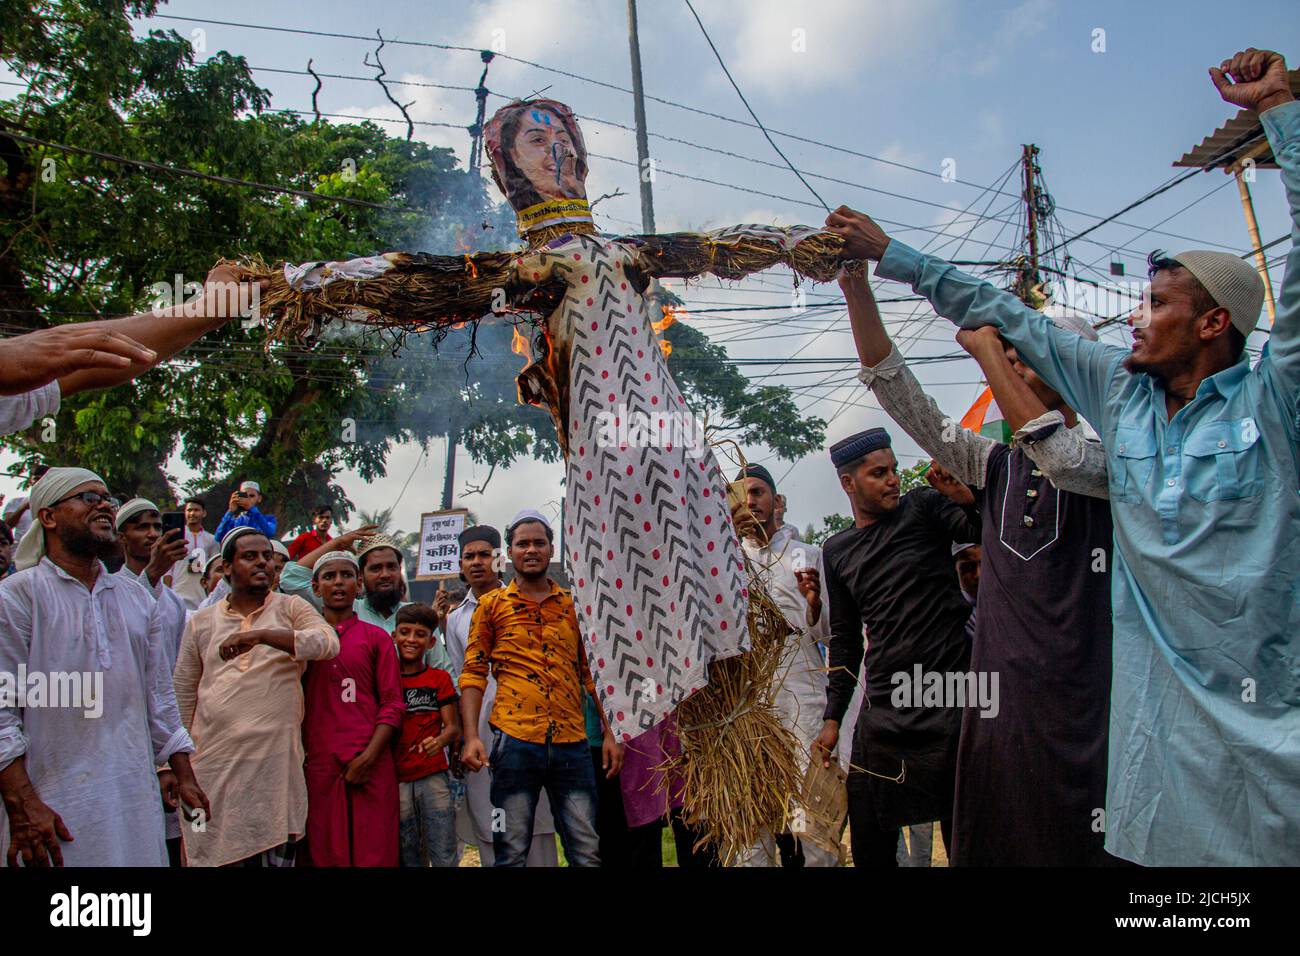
[671, 315]
[519, 345]
[552, 363]
[470, 267]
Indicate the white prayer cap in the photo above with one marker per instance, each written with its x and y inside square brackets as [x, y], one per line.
[250, 486]
[1070, 320]
[959, 547]
[56, 484]
[279, 547]
[528, 514]
[211, 561]
[347, 557]
[234, 534]
[132, 508]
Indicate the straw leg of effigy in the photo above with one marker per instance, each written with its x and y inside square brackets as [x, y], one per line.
[738, 763]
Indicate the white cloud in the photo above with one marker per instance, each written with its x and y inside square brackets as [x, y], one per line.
[782, 48]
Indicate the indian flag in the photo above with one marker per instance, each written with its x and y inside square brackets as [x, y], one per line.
[986, 418]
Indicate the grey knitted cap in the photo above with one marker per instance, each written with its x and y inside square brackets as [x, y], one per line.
[1231, 281]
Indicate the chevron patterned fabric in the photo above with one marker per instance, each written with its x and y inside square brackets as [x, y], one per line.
[657, 574]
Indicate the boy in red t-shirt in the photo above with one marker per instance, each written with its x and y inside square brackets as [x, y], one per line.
[427, 815]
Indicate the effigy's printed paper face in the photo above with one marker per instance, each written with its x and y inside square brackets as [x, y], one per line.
[544, 153]
[539, 161]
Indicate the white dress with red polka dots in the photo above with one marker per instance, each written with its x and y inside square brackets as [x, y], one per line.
[658, 578]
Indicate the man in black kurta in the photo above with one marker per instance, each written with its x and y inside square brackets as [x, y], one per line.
[892, 572]
[1031, 780]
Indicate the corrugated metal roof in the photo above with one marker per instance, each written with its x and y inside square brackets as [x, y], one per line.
[1222, 147]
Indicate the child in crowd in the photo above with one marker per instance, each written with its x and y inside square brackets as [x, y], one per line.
[427, 820]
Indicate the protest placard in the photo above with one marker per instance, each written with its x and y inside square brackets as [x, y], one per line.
[439, 556]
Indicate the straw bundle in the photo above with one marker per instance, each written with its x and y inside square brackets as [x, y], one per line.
[737, 761]
[431, 293]
[420, 293]
[689, 254]
[738, 764]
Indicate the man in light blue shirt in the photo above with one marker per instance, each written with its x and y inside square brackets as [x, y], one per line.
[1203, 454]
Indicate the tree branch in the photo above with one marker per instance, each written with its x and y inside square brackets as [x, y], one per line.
[315, 109]
[615, 194]
[479, 489]
[383, 71]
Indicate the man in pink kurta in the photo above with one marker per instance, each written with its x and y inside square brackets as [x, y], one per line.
[355, 705]
[239, 689]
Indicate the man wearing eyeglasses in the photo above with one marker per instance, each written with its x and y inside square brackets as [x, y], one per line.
[92, 711]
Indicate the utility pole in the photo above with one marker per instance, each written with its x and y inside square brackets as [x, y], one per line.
[642, 142]
[1030, 277]
[475, 164]
[449, 473]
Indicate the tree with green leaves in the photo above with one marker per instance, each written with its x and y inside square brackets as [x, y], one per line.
[93, 234]
[831, 524]
[85, 236]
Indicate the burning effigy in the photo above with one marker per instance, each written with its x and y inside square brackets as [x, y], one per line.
[681, 640]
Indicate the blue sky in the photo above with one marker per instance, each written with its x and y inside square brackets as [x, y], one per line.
[916, 84]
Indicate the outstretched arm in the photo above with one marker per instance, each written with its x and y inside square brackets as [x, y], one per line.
[959, 450]
[1015, 398]
[1080, 370]
[38, 368]
[1257, 80]
[167, 331]
[30, 361]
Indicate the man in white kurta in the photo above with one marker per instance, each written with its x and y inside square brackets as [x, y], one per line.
[139, 529]
[90, 761]
[200, 544]
[778, 556]
[239, 688]
[480, 558]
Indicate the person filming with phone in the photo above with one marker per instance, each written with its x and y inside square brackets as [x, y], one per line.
[244, 512]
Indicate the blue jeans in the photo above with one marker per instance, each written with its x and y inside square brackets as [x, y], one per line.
[519, 772]
[427, 821]
[922, 836]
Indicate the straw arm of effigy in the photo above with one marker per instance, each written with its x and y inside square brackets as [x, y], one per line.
[741, 251]
[420, 292]
[431, 293]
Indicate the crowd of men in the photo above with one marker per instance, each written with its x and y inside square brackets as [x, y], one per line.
[1078, 648]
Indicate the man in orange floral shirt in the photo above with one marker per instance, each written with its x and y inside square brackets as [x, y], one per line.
[527, 634]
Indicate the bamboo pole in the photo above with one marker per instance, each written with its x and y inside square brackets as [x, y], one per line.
[1252, 226]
